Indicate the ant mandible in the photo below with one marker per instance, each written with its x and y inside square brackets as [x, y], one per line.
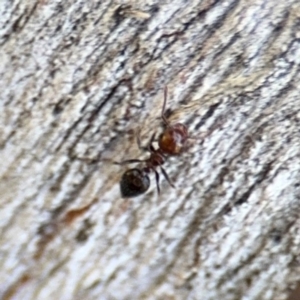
[171, 141]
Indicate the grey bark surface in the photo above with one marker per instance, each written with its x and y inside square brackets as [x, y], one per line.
[79, 78]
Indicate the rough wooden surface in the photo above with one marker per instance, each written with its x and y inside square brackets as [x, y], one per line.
[78, 78]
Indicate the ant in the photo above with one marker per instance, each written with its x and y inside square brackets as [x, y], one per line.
[171, 141]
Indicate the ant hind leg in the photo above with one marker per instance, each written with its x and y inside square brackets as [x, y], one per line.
[157, 181]
[167, 177]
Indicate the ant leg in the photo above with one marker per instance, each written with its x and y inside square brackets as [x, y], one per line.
[167, 177]
[150, 146]
[164, 107]
[138, 140]
[157, 181]
[128, 161]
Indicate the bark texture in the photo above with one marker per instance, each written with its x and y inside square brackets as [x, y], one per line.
[79, 78]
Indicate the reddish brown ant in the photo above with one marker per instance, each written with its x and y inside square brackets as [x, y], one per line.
[135, 182]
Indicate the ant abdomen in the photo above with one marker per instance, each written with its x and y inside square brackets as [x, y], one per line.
[173, 139]
[134, 182]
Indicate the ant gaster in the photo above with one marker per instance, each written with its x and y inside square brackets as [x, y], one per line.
[135, 182]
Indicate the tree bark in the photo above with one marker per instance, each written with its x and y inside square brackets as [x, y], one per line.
[79, 79]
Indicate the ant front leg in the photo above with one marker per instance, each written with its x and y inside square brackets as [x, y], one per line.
[138, 140]
[149, 147]
[150, 144]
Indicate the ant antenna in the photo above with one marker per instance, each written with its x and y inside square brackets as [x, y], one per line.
[164, 106]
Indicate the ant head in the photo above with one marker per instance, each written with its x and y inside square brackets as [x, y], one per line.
[134, 182]
[173, 138]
